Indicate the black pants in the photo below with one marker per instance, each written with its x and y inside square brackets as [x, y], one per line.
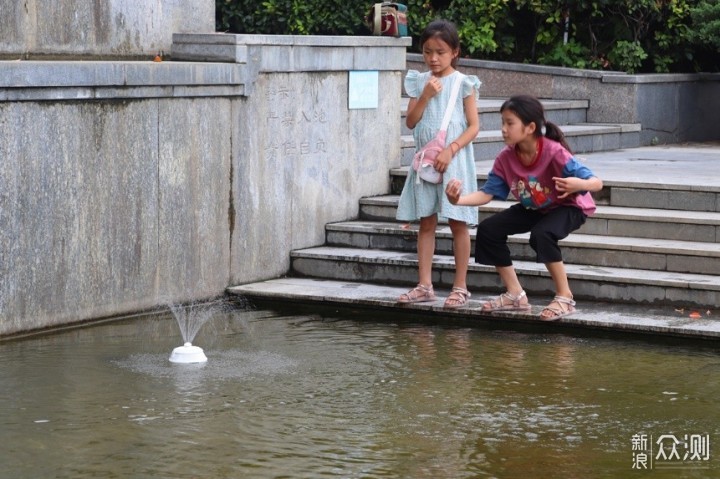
[546, 229]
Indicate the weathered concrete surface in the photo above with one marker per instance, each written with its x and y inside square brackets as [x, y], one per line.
[304, 161]
[303, 158]
[111, 207]
[65, 29]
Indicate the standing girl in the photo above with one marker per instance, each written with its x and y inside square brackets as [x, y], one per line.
[429, 94]
[553, 193]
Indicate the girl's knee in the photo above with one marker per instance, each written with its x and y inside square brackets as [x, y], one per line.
[427, 227]
[457, 226]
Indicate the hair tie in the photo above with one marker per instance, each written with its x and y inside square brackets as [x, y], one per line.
[543, 130]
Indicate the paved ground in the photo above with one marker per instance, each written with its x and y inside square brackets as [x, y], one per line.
[695, 164]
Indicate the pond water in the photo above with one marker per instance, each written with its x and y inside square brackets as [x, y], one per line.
[353, 396]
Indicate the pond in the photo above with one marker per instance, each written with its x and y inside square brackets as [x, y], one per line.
[354, 396]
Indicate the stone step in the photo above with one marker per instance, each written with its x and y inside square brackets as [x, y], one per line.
[648, 223]
[593, 250]
[592, 316]
[582, 138]
[560, 112]
[613, 284]
[646, 177]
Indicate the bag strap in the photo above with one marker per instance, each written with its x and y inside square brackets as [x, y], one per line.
[377, 18]
[377, 15]
[451, 103]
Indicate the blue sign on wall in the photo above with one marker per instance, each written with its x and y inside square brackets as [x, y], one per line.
[363, 90]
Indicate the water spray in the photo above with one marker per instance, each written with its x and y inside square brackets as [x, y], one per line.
[190, 319]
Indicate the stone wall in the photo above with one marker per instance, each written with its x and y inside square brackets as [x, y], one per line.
[125, 186]
[64, 29]
[303, 158]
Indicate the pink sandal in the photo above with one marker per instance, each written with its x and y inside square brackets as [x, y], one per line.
[419, 294]
[500, 303]
[564, 307]
[457, 299]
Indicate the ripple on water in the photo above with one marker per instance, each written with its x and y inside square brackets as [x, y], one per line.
[228, 364]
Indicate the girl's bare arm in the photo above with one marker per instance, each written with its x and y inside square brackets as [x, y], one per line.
[453, 190]
[568, 186]
[473, 122]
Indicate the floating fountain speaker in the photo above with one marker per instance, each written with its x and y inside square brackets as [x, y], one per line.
[187, 353]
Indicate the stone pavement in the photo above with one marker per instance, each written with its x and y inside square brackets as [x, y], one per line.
[695, 164]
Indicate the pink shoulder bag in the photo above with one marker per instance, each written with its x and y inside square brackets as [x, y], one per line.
[424, 159]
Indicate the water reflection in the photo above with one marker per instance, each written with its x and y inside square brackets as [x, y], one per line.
[312, 396]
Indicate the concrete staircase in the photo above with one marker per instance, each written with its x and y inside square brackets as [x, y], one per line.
[571, 115]
[653, 241]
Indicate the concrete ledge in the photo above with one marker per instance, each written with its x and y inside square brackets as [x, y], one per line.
[638, 319]
[660, 78]
[42, 74]
[75, 80]
[291, 40]
[295, 53]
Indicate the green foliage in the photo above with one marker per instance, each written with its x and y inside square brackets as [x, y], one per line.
[291, 17]
[630, 35]
[706, 24]
[571, 55]
[628, 56]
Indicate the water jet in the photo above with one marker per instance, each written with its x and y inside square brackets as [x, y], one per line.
[190, 319]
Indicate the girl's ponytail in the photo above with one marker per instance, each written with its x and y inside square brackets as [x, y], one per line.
[554, 132]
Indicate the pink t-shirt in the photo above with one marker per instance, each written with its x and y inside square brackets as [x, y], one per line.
[532, 185]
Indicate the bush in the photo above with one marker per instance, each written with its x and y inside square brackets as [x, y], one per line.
[291, 17]
[628, 35]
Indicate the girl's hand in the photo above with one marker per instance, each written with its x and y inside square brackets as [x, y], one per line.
[568, 186]
[432, 87]
[453, 190]
[443, 160]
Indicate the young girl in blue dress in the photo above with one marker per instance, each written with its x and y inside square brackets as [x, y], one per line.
[553, 192]
[425, 202]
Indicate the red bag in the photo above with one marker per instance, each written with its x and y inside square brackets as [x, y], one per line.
[424, 159]
[388, 19]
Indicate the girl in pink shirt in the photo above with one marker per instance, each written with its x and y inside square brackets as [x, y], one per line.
[553, 193]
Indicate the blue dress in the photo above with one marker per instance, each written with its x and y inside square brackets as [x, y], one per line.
[419, 200]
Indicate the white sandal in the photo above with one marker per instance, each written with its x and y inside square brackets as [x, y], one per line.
[499, 304]
[458, 296]
[565, 306]
[419, 294]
